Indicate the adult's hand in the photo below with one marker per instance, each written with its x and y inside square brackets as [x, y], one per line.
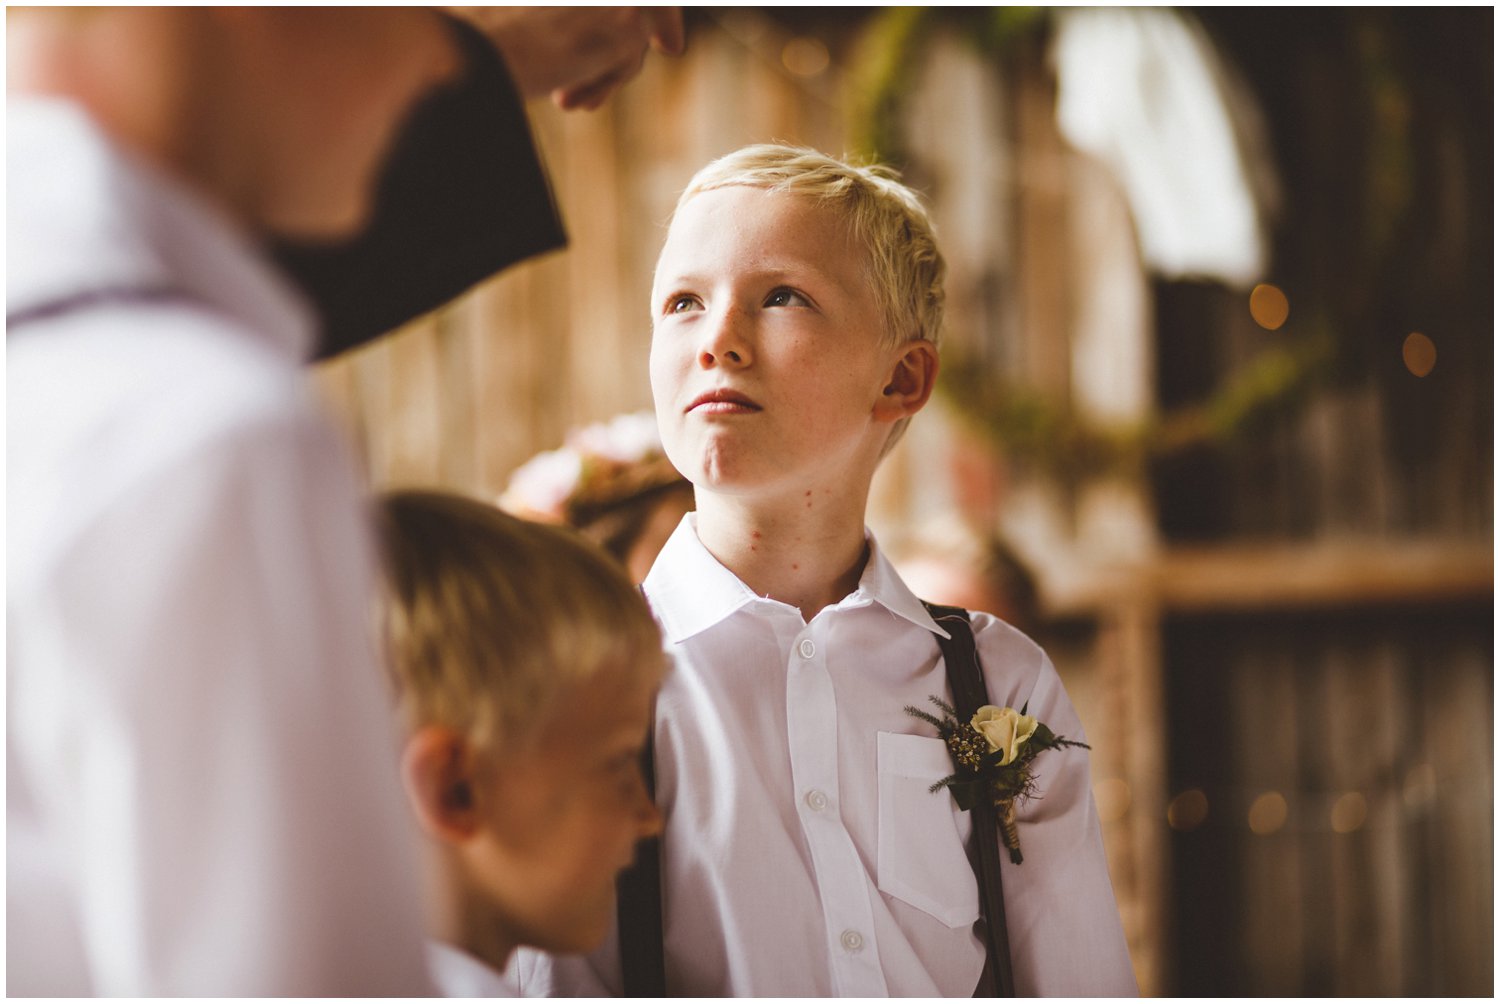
[578, 55]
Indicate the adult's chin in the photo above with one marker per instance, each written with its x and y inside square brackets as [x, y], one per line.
[327, 223]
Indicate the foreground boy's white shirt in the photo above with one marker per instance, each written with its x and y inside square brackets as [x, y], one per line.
[459, 974]
[201, 794]
[804, 853]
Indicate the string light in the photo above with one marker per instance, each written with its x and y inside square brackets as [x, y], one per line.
[1269, 306]
[805, 57]
[1267, 813]
[1348, 812]
[1188, 810]
[770, 45]
[1338, 810]
[1419, 354]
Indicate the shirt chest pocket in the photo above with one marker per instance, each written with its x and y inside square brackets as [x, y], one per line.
[921, 835]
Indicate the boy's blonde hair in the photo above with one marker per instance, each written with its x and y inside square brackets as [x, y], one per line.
[906, 269]
[491, 620]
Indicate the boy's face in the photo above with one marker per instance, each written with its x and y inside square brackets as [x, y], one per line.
[767, 352]
[563, 816]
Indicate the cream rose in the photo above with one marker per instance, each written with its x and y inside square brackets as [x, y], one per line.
[1005, 729]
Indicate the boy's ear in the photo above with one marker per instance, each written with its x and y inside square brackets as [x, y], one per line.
[438, 771]
[911, 382]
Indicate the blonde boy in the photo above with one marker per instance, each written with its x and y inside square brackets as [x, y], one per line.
[525, 665]
[796, 306]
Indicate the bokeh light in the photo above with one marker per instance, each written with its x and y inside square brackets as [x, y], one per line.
[1112, 795]
[1348, 812]
[1419, 354]
[1420, 786]
[1268, 813]
[1269, 306]
[1188, 810]
[805, 57]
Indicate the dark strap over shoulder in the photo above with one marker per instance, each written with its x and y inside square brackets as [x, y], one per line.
[966, 679]
[638, 902]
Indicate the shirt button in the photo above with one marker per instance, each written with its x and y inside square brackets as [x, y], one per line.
[816, 800]
[807, 648]
[852, 940]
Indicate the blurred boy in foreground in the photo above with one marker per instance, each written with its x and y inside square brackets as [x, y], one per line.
[525, 665]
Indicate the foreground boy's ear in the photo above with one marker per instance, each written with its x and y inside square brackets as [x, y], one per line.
[911, 382]
[438, 772]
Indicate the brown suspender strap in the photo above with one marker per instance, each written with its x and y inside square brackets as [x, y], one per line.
[966, 680]
[638, 902]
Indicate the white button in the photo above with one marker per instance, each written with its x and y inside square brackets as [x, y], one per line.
[816, 800]
[807, 648]
[852, 940]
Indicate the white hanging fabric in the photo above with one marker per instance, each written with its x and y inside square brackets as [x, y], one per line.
[1144, 91]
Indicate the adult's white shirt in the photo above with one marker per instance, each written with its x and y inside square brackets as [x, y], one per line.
[803, 853]
[201, 794]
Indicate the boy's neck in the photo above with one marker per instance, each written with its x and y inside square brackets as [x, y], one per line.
[808, 552]
[464, 918]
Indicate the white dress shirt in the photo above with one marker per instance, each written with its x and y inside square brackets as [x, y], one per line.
[804, 854]
[201, 787]
[459, 974]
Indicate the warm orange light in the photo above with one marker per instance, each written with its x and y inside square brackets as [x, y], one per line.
[1268, 813]
[1419, 354]
[1112, 795]
[1269, 306]
[1188, 810]
[1348, 812]
[805, 57]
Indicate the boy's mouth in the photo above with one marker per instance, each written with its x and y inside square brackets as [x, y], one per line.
[723, 401]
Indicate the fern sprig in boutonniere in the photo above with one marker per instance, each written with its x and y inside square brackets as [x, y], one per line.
[992, 757]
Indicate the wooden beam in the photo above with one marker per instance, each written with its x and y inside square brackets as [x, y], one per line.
[1288, 577]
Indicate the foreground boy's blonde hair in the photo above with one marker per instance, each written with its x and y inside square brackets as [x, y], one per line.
[906, 269]
[491, 620]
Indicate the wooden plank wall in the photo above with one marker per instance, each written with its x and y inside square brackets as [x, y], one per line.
[1373, 729]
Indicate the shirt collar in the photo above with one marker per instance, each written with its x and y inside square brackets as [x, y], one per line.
[459, 974]
[688, 588]
[883, 585]
[691, 591]
[92, 218]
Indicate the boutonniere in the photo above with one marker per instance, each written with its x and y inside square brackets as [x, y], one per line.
[992, 758]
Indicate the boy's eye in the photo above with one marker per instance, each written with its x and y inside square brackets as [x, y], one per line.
[784, 297]
[683, 303]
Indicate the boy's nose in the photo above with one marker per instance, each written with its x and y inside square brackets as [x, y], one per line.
[725, 342]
